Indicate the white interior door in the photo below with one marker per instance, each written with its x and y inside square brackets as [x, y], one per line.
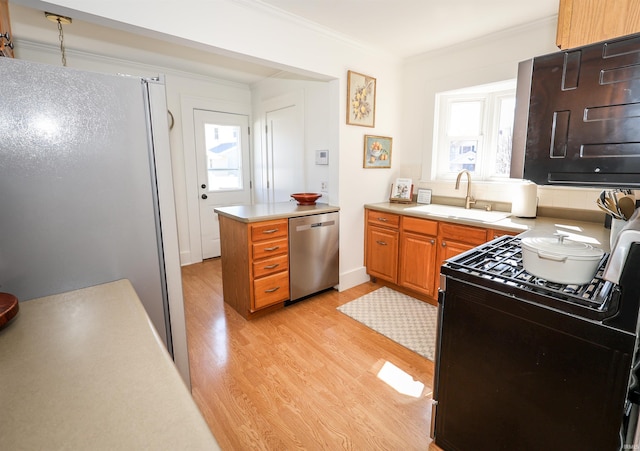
[224, 169]
[285, 152]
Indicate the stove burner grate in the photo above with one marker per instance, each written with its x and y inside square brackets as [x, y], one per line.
[500, 260]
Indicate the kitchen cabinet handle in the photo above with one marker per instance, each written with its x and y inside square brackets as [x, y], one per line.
[382, 219]
[381, 243]
[272, 266]
[270, 231]
[444, 244]
[432, 241]
[274, 248]
[271, 290]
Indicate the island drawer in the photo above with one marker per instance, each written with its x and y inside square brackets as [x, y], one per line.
[271, 289]
[264, 249]
[268, 230]
[270, 265]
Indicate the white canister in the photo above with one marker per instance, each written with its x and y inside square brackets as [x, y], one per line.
[524, 203]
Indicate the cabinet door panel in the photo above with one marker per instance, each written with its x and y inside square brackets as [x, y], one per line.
[417, 263]
[448, 249]
[382, 253]
[586, 22]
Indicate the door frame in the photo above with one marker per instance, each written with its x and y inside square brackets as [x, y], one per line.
[187, 105]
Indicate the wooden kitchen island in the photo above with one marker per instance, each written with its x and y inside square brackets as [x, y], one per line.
[255, 254]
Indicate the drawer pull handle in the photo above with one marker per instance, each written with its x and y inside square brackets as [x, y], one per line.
[271, 290]
[383, 219]
[270, 231]
[381, 243]
[272, 266]
[274, 248]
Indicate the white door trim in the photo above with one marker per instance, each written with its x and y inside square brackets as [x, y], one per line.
[187, 105]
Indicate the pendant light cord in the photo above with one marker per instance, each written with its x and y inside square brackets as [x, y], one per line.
[61, 38]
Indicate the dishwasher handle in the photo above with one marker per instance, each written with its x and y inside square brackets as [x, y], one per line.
[314, 225]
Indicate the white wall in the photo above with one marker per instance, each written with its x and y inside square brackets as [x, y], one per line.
[244, 29]
[490, 59]
[320, 129]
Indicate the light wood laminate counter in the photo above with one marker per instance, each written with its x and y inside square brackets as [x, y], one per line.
[593, 233]
[277, 210]
[86, 370]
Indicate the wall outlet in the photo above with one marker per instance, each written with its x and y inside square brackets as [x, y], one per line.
[324, 187]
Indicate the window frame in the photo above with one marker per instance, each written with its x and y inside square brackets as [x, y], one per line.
[491, 96]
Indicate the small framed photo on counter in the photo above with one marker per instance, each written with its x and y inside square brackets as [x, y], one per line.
[402, 191]
[424, 196]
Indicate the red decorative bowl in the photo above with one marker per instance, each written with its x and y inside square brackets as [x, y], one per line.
[9, 307]
[306, 198]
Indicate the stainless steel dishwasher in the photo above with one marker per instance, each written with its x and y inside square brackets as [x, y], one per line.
[313, 253]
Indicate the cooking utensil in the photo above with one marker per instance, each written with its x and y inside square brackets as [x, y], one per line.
[559, 260]
[627, 206]
[608, 210]
[607, 204]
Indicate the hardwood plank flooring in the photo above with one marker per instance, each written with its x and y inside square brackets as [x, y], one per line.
[303, 377]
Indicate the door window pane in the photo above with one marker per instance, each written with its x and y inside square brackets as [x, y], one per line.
[224, 158]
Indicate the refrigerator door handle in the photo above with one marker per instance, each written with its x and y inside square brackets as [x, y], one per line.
[432, 429]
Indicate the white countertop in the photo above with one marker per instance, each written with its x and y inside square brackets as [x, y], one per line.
[86, 370]
[592, 233]
[277, 210]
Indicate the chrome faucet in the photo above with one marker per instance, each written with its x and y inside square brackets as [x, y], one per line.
[469, 200]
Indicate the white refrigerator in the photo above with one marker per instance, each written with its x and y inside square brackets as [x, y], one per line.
[85, 189]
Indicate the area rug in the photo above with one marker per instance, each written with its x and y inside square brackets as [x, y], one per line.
[403, 319]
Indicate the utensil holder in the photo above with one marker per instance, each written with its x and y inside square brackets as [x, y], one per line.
[616, 226]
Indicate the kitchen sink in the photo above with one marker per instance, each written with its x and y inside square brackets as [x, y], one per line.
[449, 211]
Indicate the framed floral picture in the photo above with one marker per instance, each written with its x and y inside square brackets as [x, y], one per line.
[361, 100]
[377, 151]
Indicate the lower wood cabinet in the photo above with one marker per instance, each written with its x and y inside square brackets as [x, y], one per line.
[407, 252]
[381, 245]
[454, 239]
[382, 253]
[418, 255]
[255, 265]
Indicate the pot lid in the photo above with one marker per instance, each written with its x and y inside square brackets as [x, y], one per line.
[560, 246]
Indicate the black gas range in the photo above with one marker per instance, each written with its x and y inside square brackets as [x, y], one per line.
[523, 363]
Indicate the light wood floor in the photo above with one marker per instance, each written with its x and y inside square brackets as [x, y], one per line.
[303, 377]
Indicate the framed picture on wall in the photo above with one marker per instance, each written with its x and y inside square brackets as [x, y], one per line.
[377, 151]
[361, 100]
